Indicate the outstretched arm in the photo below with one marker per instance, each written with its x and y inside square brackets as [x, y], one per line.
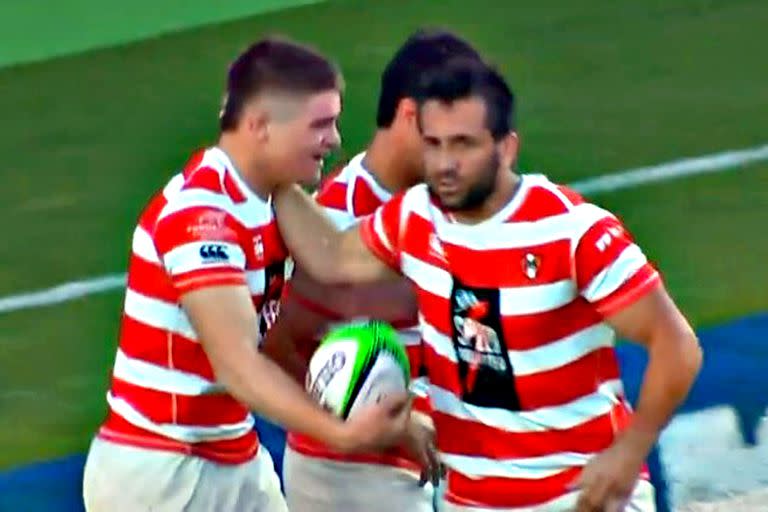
[225, 322]
[327, 254]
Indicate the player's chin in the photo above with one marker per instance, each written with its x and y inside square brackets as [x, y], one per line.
[451, 201]
[310, 172]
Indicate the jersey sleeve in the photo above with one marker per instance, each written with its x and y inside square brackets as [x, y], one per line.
[200, 247]
[612, 272]
[380, 231]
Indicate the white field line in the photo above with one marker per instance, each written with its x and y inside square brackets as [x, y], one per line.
[727, 160]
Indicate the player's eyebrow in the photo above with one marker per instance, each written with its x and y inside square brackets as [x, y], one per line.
[324, 121]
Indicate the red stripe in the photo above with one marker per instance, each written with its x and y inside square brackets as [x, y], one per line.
[333, 194]
[151, 280]
[228, 451]
[232, 190]
[375, 244]
[598, 248]
[196, 224]
[161, 407]
[539, 203]
[574, 197]
[436, 310]
[194, 161]
[163, 348]
[312, 448]
[503, 492]
[204, 178]
[197, 279]
[524, 332]
[466, 437]
[543, 389]
[442, 373]
[546, 389]
[364, 200]
[152, 211]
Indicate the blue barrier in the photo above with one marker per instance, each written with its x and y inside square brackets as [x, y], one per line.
[735, 374]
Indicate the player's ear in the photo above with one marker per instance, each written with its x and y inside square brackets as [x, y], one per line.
[258, 120]
[508, 148]
[407, 110]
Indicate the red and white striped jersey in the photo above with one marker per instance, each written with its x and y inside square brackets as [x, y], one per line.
[205, 228]
[346, 197]
[523, 378]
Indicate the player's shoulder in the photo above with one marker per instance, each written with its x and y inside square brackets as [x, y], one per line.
[559, 205]
[207, 181]
[544, 198]
[352, 191]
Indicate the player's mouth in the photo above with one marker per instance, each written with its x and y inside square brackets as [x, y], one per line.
[447, 187]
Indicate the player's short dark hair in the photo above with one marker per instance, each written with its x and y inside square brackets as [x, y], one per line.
[423, 51]
[467, 78]
[275, 64]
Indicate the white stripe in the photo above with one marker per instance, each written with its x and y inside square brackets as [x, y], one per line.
[427, 277]
[143, 246]
[611, 278]
[531, 468]
[526, 300]
[440, 343]
[251, 213]
[150, 376]
[158, 313]
[187, 257]
[565, 416]
[187, 434]
[256, 280]
[420, 387]
[562, 352]
[192, 198]
[174, 186]
[729, 160]
[522, 235]
[378, 228]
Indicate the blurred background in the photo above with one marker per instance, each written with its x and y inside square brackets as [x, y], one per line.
[101, 102]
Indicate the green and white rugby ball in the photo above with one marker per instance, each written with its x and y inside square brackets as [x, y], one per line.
[357, 364]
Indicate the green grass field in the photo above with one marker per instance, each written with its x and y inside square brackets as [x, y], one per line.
[602, 86]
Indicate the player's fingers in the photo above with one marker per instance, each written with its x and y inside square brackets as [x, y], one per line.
[397, 404]
[616, 504]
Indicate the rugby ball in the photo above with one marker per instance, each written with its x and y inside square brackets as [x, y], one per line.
[357, 364]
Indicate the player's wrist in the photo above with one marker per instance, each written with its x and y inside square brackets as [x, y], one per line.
[334, 432]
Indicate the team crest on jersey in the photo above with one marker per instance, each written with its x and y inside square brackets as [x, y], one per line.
[258, 247]
[531, 263]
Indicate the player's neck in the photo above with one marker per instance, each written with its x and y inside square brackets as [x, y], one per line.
[383, 161]
[506, 188]
[246, 165]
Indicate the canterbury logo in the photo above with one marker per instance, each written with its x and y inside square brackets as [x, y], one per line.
[213, 252]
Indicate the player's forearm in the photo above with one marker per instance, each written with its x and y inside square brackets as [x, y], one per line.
[674, 361]
[311, 237]
[263, 387]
